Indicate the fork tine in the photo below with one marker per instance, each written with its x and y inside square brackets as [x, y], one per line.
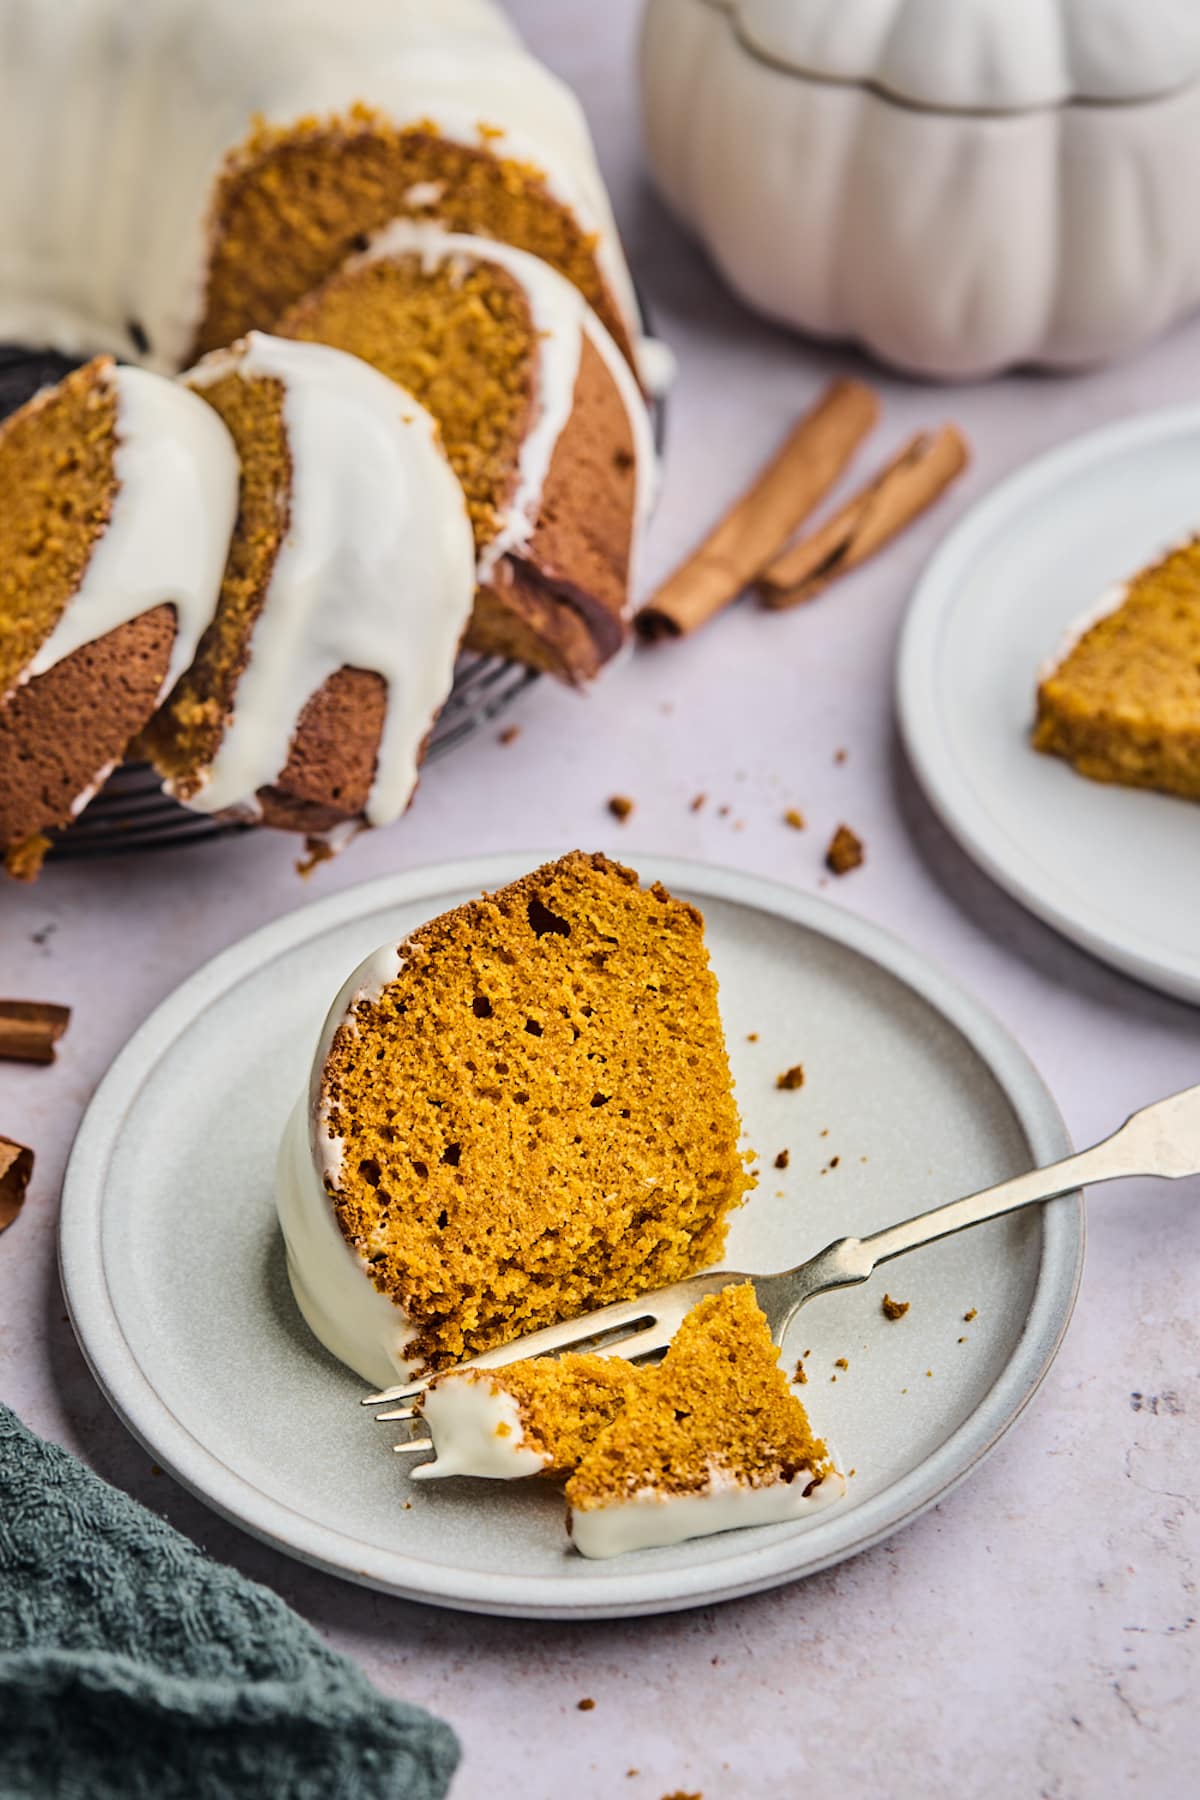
[656, 1336]
[398, 1412]
[412, 1446]
[571, 1334]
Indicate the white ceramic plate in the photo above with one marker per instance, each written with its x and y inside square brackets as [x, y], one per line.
[174, 1274]
[1115, 869]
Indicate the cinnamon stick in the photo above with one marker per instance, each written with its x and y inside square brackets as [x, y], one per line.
[29, 1030]
[900, 493]
[783, 494]
[16, 1166]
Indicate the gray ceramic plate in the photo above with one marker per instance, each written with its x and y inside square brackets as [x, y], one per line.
[173, 1267]
[1115, 869]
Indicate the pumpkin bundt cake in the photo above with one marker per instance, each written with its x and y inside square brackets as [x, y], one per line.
[119, 490]
[178, 174]
[521, 1112]
[1122, 701]
[347, 590]
[541, 418]
[710, 1439]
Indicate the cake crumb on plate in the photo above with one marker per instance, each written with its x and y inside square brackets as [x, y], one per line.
[791, 1078]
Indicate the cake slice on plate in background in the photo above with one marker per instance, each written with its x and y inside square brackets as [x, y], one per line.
[1122, 701]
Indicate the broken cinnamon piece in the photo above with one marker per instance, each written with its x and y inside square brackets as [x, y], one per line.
[23, 861]
[781, 497]
[845, 852]
[29, 1029]
[900, 493]
[16, 1166]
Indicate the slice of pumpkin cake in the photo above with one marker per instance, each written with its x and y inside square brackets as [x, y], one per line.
[348, 587]
[1122, 701]
[541, 418]
[119, 492]
[711, 1439]
[521, 1112]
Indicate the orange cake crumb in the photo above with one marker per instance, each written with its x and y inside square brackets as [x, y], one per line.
[791, 1078]
[845, 852]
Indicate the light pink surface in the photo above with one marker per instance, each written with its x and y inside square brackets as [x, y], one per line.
[1034, 1635]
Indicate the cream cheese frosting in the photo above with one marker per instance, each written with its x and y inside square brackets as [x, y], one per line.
[168, 533]
[476, 1429]
[650, 1519]
[330, 1280]
[376, 571]
[116, 117]
[561, 319]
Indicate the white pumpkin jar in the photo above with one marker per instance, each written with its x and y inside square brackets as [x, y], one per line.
[960, 185]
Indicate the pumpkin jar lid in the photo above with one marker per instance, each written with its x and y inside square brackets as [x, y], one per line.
[981, 55]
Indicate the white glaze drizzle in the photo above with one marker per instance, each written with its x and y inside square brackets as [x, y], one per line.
[476, 1428]
[117, 115]
[360, 1325]
[561, 318]
[651, 1519]
[375, 572]
[168, 533]
[340, 1303]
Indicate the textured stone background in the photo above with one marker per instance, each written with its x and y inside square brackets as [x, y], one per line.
[1035, 1635]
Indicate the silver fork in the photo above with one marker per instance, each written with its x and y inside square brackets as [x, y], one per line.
[1163, 1139]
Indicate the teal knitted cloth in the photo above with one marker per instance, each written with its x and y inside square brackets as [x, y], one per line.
[131, 1664]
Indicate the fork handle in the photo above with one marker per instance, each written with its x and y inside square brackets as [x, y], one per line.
[1163, 1140]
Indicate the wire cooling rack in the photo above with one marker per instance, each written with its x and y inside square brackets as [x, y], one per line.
[131, 812]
